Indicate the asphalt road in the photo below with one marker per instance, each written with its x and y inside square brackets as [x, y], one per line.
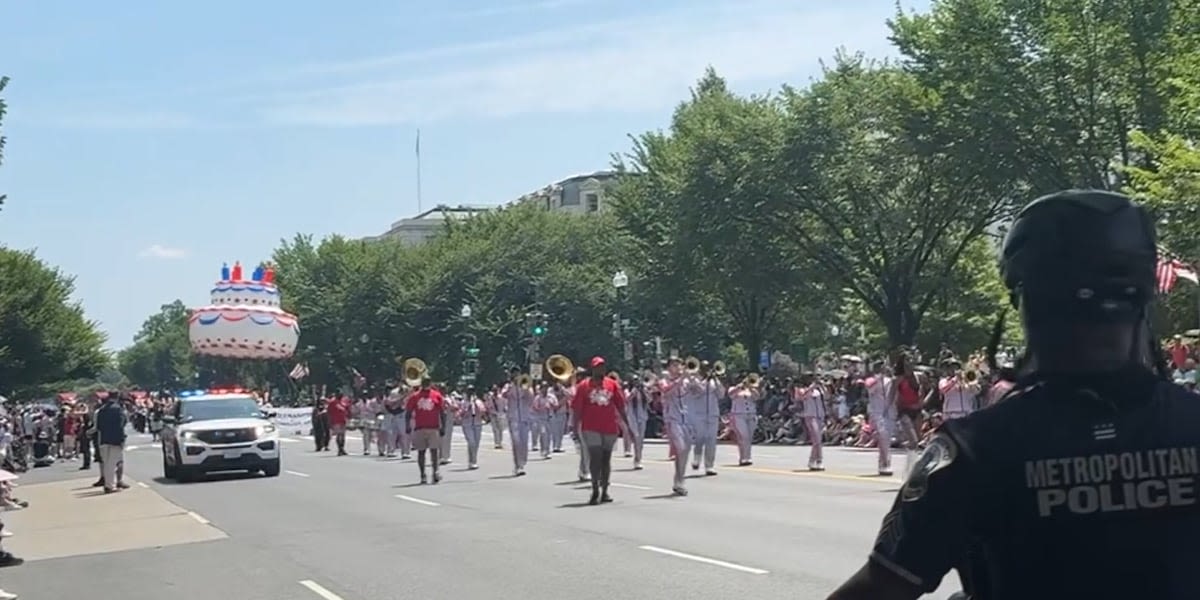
[363, 528]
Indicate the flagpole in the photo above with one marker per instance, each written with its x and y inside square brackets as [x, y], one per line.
[418, 171]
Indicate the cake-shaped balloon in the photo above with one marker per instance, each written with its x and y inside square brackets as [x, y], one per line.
[244, 319]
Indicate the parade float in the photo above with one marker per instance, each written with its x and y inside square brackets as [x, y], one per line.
[244, 319]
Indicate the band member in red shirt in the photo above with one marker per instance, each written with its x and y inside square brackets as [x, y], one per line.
[338, 410]
[426, 408]
[598, 409]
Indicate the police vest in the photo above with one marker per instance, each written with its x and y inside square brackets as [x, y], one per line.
[1086, 493]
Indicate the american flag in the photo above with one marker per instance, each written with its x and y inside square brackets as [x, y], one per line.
[1170, 270]
[300, 371]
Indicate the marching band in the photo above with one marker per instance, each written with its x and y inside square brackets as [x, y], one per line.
[691, 395]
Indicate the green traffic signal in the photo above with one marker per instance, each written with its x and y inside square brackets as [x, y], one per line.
[539, 330]
[472, 352]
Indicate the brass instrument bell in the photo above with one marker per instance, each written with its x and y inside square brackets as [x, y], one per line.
[691, 365]
[718, 369]
[414, 371]
[614, 375]
[560, 368]
[524, 381]
[752, 380]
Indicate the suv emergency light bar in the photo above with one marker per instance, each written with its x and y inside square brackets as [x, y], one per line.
[212, 392]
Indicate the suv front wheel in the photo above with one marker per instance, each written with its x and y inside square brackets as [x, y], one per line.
[272, 469]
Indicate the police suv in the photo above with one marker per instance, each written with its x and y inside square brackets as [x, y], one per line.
[218, 430]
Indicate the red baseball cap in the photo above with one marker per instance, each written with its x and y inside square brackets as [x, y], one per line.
[597, 361]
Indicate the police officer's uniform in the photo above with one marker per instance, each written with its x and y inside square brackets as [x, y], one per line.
[1074, 486]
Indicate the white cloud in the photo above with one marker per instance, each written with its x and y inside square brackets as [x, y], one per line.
[624, 65]
[163, 252]
[519, 8]
[70, 119]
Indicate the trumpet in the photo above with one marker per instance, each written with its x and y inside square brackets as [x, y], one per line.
[691, 365]
[414, 371]
[614, 375]
[524, 381]
[649, 378]
[560, 368]
[718, 369]
[752, 380]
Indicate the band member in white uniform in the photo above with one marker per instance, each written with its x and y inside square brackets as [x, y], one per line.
[809, 395]
[395, 426]
[558, 420]
[743, 415]
[497, 415]
[637, 409]
[543, 405]
[675, 419]
[471, 413]
[878, 387]
[367, 425]
[565, 394]
[520, 420]
[706, 418]
[960, 394]
[452, 401]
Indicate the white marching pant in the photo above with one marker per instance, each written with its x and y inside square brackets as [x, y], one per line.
[883, 440]
[541, 435]
[585, 462]
[499, 423]
[444, 450]
[519, 431]
[705, 439]
[743, 428]
[558, 429]
[473, 432]
[680, 435]
[638, 433]
[816, 433]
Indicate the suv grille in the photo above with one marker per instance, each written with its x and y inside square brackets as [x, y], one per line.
[227, 436]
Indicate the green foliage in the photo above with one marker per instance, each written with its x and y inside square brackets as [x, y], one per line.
[44, 335]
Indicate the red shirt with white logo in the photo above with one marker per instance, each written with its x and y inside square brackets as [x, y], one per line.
[339, 411]
[598, 405]
[426, 408]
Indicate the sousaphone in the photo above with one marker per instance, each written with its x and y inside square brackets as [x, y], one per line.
[414, 371]
[560, 368]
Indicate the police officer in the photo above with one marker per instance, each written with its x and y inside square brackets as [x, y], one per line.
[1082, 482]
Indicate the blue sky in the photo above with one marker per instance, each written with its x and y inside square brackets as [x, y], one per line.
[150, 141]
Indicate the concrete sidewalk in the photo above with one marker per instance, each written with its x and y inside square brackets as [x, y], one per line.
[72, 518]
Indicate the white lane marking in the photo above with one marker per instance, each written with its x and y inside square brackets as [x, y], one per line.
[417, 500]
[131, 448]
[630, 486]
[297, 473]
[142, 485]
[289, 440]
[320, 590]
[199, 518]
[765, 455]
[707, 561]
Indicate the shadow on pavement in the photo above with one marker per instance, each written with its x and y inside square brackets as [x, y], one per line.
[574, 505]
[662, 497]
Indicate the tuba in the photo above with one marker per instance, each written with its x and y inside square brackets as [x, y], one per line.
[752, 380]
[691, 365]
[414, 371]
[560, 368]
[718, 369]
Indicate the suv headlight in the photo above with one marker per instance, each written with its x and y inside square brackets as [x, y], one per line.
[262, 430]
[188, 436]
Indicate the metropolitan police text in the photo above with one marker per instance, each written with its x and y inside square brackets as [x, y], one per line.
[1101, 483]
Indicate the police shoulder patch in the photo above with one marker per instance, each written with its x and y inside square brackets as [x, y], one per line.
[939, 454]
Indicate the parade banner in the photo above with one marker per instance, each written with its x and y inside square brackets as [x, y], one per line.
[294, 421]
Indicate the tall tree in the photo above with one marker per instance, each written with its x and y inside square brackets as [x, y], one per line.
[884, 214]
[720, 161]
[1047, 93]
[44, 335]
[161, 355]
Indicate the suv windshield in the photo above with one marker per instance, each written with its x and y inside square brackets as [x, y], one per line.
[238, 407]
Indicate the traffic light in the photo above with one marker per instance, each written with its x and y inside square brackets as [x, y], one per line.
[472, 352]
[537, 324]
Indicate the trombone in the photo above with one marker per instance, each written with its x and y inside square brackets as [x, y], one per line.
[691, 365]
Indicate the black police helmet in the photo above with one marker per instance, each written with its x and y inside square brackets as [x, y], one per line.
[1081, 255]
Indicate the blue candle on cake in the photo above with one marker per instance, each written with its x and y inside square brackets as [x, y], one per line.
[224, 271]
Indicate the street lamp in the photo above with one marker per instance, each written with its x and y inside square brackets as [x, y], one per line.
[620, 280]
[465, 312]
